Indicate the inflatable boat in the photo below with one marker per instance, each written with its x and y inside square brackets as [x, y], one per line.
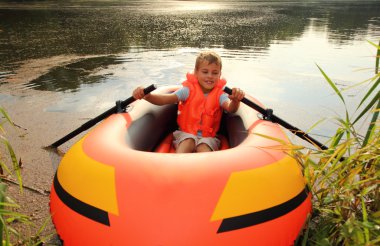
[122, 184]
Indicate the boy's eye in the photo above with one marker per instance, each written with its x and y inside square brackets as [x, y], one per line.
[214, 73]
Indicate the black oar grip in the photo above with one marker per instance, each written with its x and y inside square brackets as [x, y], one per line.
[130, 100]
[248, 102]
[150, 88]
[227, 90]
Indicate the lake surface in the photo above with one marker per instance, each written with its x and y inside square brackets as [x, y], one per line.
[269, 48]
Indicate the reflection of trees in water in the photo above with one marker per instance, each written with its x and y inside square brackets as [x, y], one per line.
[343, 22]
[350, 21]
[45, 32]
[233, 30]
[72, 76]
[35, 33]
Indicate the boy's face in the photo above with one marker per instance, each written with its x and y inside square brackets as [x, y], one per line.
[208, 75]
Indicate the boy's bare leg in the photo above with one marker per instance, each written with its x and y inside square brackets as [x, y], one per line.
[186, 146]
[203, 148]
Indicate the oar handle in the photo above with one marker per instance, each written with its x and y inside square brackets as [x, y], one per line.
[248, 102]
[279, 121]
[130, 100]
[100, 117]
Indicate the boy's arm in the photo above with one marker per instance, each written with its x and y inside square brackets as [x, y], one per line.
[233, 104]
[161, 99]
[157, 99]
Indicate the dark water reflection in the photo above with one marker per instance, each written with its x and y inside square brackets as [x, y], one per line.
[72, 76]
[35, 32]
[269, 48]
[39, 30]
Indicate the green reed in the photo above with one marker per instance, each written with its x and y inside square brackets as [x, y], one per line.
[345, 179]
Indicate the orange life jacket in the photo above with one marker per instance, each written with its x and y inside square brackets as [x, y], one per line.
[199, 112]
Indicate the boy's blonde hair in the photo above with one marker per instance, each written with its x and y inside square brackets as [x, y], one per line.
[210, 56]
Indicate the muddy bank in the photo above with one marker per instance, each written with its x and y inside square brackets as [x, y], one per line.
[35, 128]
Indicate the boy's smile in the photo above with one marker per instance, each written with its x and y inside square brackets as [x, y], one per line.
[208, 75]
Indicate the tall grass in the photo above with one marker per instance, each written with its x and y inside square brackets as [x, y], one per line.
[346, 191]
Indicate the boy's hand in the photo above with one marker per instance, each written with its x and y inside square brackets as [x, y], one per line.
[138, 93]
[237, 95]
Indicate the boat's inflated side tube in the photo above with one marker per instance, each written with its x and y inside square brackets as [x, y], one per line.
[110, 189]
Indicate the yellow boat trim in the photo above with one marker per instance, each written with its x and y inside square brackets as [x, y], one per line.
[87, 180]
[260, 188]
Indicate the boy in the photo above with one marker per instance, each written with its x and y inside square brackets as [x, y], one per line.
[201, 104]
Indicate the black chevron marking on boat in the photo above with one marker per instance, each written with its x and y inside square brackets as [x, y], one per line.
[80, 207]
[251, 219]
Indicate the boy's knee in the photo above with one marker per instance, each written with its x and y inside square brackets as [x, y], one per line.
[186, 146]
[203, 148]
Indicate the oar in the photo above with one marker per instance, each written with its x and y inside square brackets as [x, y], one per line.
[94, 121]
[268, 115]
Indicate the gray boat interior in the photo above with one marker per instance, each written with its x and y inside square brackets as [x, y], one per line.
[147, 132]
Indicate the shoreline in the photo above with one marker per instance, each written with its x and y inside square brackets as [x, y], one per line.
[35, 127]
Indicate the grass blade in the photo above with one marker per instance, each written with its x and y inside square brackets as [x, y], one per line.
[371, 126]
[368, 107]
[332, 84]
[365, 220]
[370, 91]
[377, 55]
[2, 111]
[16, 166]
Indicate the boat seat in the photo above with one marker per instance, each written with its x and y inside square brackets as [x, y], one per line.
[166, 145]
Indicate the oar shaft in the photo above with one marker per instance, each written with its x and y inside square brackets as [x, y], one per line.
[99, 118]
[298, 132]
[280, 121]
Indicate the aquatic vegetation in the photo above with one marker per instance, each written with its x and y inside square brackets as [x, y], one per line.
[345, 178]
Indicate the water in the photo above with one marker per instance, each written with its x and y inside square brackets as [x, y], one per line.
[269, 49]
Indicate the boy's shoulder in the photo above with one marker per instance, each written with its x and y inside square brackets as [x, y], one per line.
[183, 93]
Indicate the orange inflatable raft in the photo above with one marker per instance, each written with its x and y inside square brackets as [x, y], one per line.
[122, 185]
